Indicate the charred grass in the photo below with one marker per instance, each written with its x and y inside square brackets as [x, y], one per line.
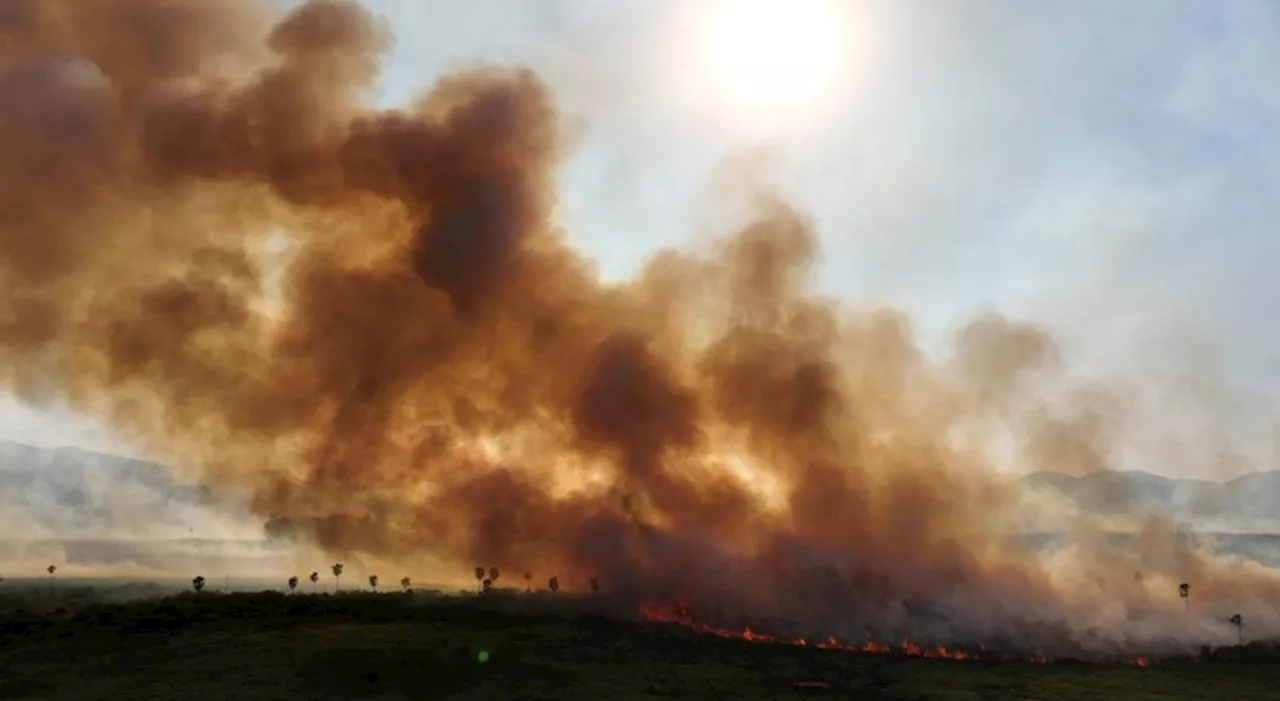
[427, 646]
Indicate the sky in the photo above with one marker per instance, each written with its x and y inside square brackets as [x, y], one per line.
[1106, 170]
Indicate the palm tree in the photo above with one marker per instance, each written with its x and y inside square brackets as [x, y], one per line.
[595, 585]
[1238, 621]
[315, 577]
[51, 569]
[197, 584]
[553, 584]
[480, 576]
[528, 581]
[373, 582]
[406, 583]
[1184, 591]
[337, 576]
[293, 585]
[493, 575]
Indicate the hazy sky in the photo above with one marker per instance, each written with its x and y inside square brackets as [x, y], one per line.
[1106, 169]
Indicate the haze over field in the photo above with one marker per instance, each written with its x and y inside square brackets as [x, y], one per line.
[374, 326]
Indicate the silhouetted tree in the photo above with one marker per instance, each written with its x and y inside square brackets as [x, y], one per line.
[337, 576]
[486, 585]
[198, 584]
[595, 585]
[315, 577]
[373, 582]
[51, 569]
[406, 583]
[1238, 621]
[553, 584]
[480, 576]
[493, 574]
[293, 585]
[1184, 591]
[528, 581]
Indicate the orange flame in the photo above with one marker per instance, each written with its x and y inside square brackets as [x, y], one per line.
[678, 613]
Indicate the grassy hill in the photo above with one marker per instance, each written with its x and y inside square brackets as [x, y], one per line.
[507, 646]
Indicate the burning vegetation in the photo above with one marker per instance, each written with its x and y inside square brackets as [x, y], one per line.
[371, 325]
[678, 613]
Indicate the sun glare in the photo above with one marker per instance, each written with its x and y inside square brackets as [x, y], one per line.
[774, 54]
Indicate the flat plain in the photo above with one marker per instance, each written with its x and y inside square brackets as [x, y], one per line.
[75, 644]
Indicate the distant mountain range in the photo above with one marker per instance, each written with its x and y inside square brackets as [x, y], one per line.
[71, 492]
[1247, 504]
[74, 473]
[97, 510]
[93, 512]
[78, 493]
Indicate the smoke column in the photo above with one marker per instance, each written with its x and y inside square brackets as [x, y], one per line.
[368, 323]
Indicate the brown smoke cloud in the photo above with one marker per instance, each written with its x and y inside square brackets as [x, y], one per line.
[369, 323]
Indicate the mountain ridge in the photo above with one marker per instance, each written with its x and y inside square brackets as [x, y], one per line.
[1250, 501]
[98, 510]
[73, 492]
[69, 489]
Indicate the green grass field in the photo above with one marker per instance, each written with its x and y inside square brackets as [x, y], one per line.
[423, 646]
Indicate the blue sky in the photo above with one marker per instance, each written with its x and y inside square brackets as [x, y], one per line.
[1106, 169]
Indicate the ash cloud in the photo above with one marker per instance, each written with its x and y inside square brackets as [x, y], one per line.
[370, 322]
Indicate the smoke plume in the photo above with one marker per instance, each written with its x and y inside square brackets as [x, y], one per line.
[369, 324]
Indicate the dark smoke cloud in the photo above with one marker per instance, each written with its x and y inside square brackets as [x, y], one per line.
[369, 322]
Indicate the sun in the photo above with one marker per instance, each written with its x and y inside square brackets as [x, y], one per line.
[774, 54]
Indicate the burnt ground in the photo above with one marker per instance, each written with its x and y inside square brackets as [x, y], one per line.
[424, 646]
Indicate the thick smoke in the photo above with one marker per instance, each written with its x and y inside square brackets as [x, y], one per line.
[369, 323]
